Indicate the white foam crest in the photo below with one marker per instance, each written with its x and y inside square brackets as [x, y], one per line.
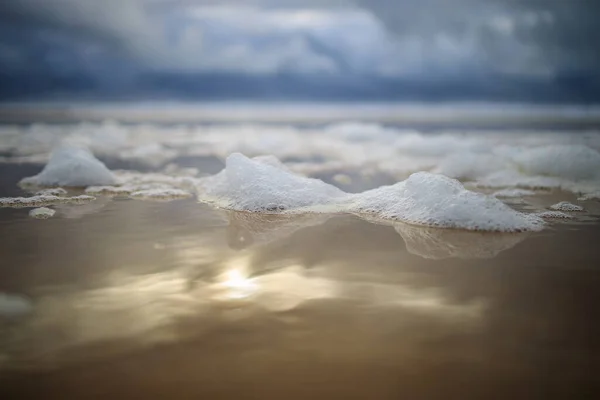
[575, 162]
[264, 185]
[72, 166]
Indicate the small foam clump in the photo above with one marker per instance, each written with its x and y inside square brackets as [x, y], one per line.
[554, 215]
[72, 166]
[264, 184]
[438, 201]
[513, 193]
[14, 306]
[161, 194]
[566, 206]
[41, 213]
[43, 200]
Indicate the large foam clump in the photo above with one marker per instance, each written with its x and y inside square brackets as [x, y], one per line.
[436, 200]
[72, 166]
[265, 185]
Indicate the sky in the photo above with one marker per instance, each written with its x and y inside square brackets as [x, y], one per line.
[432, 50]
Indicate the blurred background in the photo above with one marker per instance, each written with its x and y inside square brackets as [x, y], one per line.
[524, 51]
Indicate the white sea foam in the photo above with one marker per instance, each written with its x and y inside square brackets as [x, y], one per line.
[512, 193]
[41, 213]
[161, 194]
[438, 201]
[554, 215]
[72, 166]
[264, 185]
[566, 206]
[573, 162]
[527, 159]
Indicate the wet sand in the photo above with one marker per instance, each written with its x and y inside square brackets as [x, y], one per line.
[135, 299]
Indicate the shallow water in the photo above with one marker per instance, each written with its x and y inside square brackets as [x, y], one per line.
[136, 299]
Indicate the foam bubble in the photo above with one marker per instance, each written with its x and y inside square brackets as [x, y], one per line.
[41, 213]
[566, 206]
[575, 162]
[73, 167]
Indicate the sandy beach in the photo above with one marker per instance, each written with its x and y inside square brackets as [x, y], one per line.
[138, 299]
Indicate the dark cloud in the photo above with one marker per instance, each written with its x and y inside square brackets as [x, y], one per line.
[477, 48]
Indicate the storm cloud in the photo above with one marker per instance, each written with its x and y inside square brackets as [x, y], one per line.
[352, 46]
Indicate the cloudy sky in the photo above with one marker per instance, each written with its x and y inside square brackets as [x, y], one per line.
[523, 50]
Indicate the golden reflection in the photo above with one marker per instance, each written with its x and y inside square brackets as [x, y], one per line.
[238, 285]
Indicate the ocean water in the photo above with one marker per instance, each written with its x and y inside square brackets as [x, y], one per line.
[158, 295]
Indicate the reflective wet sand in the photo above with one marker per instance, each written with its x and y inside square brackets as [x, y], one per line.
[133, 299]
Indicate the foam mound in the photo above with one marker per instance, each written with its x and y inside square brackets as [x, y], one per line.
[566, 206]
[263, 184]
[41, 213]
[72, 166]
[438, 201]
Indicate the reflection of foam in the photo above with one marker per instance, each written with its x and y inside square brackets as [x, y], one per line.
[443, 243]
[247, 229]
[13, 305]
[79, 210]
[41, 213]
